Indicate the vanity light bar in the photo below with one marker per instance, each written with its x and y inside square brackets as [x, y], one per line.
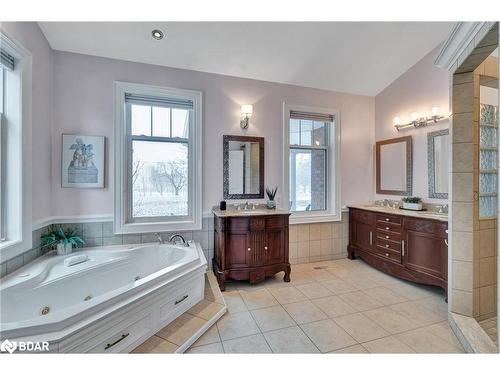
[418, 122]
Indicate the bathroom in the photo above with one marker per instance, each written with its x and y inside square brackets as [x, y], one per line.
[163, 203]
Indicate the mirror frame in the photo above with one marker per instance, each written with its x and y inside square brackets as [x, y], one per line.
[242, 138]
[430, 163]
[409, 166]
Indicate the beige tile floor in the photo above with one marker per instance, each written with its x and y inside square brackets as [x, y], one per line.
[339, 306]
[490, 327]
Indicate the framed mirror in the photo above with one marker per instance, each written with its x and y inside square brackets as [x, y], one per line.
[394, 166]
[437, 163]
[243, 167]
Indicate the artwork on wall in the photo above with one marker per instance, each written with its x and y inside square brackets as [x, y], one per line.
[82, 161]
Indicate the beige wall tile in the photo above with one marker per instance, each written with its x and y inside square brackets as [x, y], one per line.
[487, 271]
[315, 248]
[462, 97]
[462, 246]
[303, 232]
[487, 243]
[463, 187]
[463, 128]
[463, 158]
[326, 231]
[461, 302]
[462, 275]
[463, 78]
[487, 300]
[292, 250]
[292, 233]
[315, 231]
[326, 247]
[303, 249]
[462, 216]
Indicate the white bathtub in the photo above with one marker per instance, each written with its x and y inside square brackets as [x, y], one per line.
[50, 301]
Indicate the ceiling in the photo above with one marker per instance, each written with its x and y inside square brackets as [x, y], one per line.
[354, 57]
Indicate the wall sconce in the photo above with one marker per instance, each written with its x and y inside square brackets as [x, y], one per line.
[246, 113]
[417, 121]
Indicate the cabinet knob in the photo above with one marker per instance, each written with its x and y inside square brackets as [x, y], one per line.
[386, 245]
[387, 228]
[265, 247]
[249, 249]
[386, 254]
[387, 237]
[386, 219]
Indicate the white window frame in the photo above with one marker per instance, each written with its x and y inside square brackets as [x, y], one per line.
[16, 136]
[122, 225]
[333, 210]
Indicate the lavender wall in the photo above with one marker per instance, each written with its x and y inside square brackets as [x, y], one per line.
[417, 90]
[29, 35]
[83, 97]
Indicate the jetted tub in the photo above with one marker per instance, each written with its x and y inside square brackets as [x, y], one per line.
[131, 289]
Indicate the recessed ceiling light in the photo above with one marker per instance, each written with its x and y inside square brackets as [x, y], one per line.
[157, 34]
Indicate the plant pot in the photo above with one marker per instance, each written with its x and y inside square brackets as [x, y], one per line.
[64, 249]
[412, 206]
[271, 204]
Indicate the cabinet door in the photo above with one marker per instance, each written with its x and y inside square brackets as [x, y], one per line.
[257, 243]
[274, 248]
[426, 253]
[363, 235]
[237, 254]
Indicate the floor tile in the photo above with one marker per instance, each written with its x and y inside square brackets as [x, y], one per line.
[258, 299]
[338, 286]
[234, 302]
[247, 344]
[321, 275]
[215, 348]
[388, 345]
[444, 331]
[290, 340]
[333, 306]
[209, 337]
[304, 312]
[300, 278]
[360, 327]
[360, 301]
[417, 312]
[314, 290]
[181, 329]
[156, 344]
[422, 341]
[355, 349]
[287, 295]
[327, 335]
[362, 282]
[272, 318]
[412, 291]
[391, 320]
[240, 324]
[385, 295]
[205, 309]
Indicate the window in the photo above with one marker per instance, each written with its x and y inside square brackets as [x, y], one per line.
[15, 149]
[160, 150]
[312, 163]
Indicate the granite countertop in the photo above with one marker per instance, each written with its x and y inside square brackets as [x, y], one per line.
[397, 211]
[259, 211]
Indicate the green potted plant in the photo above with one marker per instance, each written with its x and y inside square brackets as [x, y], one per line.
[271, 194]
[412, 203]
[64, 239]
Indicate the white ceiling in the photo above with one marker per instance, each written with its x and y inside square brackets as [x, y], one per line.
[355, 57]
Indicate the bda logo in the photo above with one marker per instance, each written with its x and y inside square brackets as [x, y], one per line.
[8, 346]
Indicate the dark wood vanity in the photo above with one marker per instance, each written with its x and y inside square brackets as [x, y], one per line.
[412, 248]
[250, 247]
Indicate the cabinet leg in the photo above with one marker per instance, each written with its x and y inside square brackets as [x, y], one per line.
[350, 255]
[222, 283]
[286, 278]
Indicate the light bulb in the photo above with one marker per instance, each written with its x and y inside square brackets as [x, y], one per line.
[414, 116]
[396, 120]
[435, 111]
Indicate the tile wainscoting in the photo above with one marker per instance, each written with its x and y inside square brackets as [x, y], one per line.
[308, 242]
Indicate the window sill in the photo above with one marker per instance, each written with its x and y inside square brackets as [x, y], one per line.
[135, 228]
[301, 218]
[11, 249]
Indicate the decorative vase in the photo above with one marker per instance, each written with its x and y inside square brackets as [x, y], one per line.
[271, 204]
[64, 249]
[412, 206]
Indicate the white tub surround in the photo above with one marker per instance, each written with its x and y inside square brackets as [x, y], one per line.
[111, 302]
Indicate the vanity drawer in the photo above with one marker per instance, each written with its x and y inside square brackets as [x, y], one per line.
[362, 216]
[389, 219]
[389, 245]
[390, 236]
[389, 227]
[388, 254]
[437, 228]
[274, 222]
[185, 295]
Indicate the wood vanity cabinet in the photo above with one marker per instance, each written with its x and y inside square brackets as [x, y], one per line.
[250, 248]
[411, 248]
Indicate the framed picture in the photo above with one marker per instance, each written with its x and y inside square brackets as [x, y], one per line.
[82, 161]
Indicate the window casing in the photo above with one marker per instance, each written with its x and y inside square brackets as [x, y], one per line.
[15, 149]
[158, 176]
[312, 163]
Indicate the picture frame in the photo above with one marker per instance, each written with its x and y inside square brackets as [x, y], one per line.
[82, 161]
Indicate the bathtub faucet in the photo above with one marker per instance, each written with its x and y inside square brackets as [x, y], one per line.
[172, 239]
[159, 238]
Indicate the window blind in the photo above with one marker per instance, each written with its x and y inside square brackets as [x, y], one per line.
[323, 117]
[6, 60]
[159, 101]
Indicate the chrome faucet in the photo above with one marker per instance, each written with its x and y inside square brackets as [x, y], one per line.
[172, 238]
